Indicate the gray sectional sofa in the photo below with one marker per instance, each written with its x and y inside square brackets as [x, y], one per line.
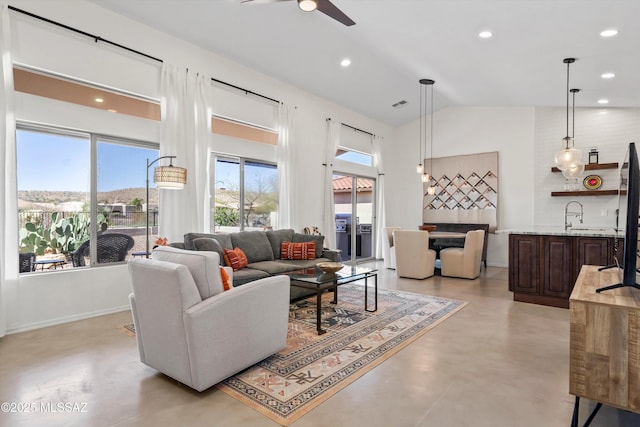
[262, 249]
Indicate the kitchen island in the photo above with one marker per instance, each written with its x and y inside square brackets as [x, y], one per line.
[544, 262]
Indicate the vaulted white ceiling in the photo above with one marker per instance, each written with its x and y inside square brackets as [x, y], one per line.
[397, 42]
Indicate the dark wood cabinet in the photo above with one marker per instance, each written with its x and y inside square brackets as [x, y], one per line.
[557, 266]
[523, 250]
[544, 268]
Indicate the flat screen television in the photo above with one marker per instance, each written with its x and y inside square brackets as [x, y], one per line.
[629, 204]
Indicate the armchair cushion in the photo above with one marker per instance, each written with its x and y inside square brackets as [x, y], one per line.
[203, 267]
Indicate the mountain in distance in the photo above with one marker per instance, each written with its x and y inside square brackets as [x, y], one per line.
[42, 199]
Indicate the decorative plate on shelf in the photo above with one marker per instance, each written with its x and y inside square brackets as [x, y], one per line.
[592, 182]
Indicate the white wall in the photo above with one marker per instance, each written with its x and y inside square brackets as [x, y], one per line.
[468, 130]
[43, 299]
[610, 130]
[524, 137]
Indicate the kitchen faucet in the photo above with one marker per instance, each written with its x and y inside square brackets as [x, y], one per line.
[567, 212]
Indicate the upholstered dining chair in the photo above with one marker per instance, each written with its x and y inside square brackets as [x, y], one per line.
[414, 259]
[464, 262]
[112, 247]
[389, 249]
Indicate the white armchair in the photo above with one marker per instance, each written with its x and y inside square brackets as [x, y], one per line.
[464, 262]
[389, 249]
[190, 329]
[414, 259]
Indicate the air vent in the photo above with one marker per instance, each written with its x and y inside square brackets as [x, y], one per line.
[400, 104]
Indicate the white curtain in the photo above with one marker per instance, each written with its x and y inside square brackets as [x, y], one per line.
[185, 133]
[381, 221]
[329, 219]
[8, 187]
[285, 156]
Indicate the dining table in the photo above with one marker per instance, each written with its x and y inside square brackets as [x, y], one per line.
[446, 235]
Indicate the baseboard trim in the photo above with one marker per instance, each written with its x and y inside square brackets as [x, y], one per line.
[66, 319]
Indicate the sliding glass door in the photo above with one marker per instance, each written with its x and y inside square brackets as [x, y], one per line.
[354, 209]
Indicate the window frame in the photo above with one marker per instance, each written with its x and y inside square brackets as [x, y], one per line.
[241, 196]
[93, 139]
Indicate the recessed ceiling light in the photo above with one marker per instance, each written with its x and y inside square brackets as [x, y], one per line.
[603, 101]
[111, 110]
[345, 62]
[99, 100]
[608, 75]
[609, 33]
[485, 34]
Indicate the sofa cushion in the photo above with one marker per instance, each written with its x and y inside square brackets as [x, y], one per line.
[211, 245]
[223, 239]
[297, 251]
[203, 266]
[235, 258]
[298, 237]
[302, 264]
[276, 237]
[273, 267]
[254, 244]
[247, 275]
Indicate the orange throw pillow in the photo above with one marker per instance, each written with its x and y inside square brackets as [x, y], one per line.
[296, 251]
[226, 282]
[235, 258]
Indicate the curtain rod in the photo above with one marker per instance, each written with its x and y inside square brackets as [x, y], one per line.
[137, 52]
[354, 128]
[84, 33]
[246, 91]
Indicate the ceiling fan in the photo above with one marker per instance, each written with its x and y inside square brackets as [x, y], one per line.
[324, 6]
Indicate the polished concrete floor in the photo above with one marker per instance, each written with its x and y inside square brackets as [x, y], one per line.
[495, 363]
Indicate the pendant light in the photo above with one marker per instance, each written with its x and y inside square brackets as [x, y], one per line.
[569, 158]
[574, 170]
[420, 167]
[426, 173]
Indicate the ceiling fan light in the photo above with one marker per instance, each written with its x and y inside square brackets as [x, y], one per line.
[308, 5]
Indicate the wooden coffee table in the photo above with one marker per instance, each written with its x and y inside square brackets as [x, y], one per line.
[316, 279]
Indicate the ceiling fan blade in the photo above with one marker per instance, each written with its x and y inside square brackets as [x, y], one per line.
[329, 9]
[262, 1]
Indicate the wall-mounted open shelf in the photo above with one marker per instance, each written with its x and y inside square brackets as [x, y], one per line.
[593, 167]
[589, 167]
[585, 193]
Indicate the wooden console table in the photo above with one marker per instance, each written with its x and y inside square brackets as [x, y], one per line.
[605, 342]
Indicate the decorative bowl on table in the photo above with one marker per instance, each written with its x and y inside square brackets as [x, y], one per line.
[427, 227]
[329, 267]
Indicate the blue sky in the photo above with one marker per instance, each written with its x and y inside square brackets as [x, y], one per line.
[62, 163]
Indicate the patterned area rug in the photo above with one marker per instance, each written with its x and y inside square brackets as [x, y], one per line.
[312, 368]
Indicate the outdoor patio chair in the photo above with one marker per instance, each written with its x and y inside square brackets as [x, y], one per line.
[112, 247]
[27, 260]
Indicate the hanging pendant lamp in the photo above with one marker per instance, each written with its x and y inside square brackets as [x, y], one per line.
[420, 167]
[569, 158]
[427, 174]
[573, 171]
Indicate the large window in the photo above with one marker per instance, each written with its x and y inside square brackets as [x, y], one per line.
[75, 186]
[246, 194]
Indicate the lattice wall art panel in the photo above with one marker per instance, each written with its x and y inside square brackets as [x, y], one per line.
[466, 189]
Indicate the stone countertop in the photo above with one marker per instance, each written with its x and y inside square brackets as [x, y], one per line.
[559, 231]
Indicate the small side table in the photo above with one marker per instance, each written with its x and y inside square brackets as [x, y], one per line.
[52, 263]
